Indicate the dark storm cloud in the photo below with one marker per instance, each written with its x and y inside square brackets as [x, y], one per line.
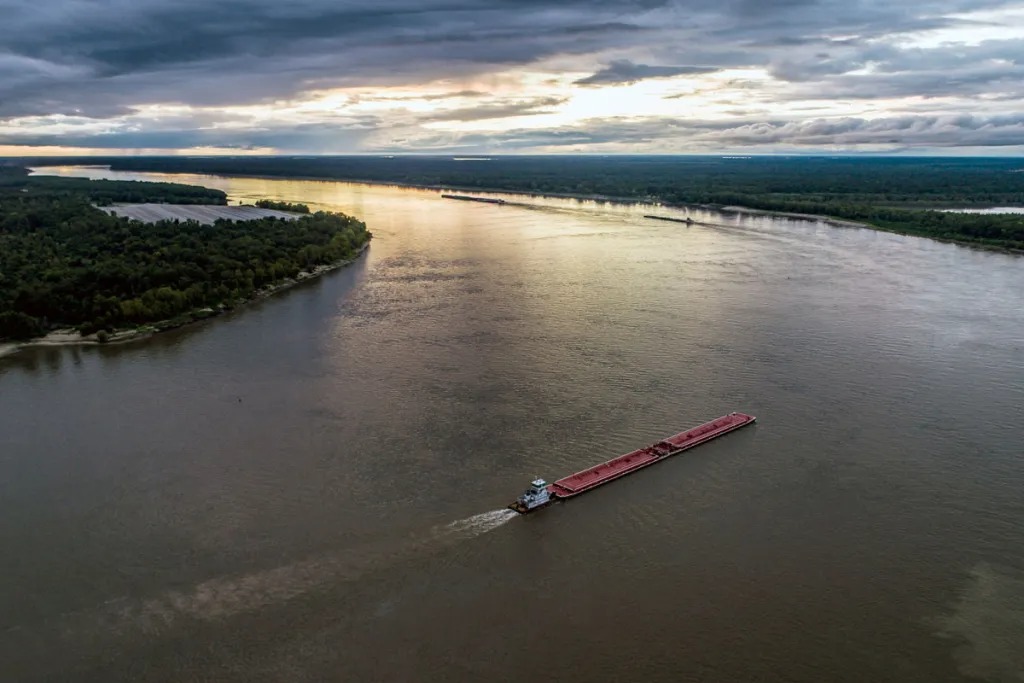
[929, 131]
[696, 136]
[98, 60]
[625, 71]
[70, 54]
[321, 137]
[73, 54]
[989, 68]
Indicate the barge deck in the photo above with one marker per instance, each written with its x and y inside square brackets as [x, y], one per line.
[541, 493]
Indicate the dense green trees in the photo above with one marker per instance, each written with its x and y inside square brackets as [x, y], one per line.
[895, 193]
[64, 262]
[104, 192]
[282, 206]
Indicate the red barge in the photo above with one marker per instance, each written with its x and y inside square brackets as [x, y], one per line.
[541, 494]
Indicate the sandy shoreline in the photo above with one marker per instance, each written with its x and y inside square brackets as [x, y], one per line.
[70, 337]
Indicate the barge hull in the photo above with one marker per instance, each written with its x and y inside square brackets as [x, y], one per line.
[468, 198]
[595, 476]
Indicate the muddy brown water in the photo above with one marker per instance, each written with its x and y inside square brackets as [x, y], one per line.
[311, 489]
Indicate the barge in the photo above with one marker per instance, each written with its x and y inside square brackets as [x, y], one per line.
[541, 494]
[687, 221]
[468, 198]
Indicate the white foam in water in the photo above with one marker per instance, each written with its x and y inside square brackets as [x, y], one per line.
[484, 522]
[223, 597]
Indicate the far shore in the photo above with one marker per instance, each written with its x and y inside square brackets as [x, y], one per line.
[612, 199]
[828, 220]
[720, 208]
[70, 337]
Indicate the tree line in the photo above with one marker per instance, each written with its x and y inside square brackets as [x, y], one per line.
[64, 262]
[896, 193]
[282, 206]
[105, 192]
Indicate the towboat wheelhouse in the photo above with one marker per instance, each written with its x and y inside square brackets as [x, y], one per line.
[536, 496]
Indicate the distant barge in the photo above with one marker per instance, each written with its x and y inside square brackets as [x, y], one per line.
[688, 221]
[467, 198]
[541, 494]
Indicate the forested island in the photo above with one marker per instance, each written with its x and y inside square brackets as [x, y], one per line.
[900, 194]
[282, 206]
[65, 263]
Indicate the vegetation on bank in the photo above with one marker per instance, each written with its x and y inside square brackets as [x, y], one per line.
[64, 262]
[104, 192]
[282, 206]
[894, 193]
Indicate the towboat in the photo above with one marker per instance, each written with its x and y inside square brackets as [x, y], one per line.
[541, 494]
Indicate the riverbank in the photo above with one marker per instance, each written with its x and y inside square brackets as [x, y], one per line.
[70, 337]
[611, 199]
[843, 223]
[834, 221]
[819, 218]
[631, 201]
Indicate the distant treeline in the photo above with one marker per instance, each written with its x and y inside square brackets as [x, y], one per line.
[895, 193]
[105, 192]
[65, 263]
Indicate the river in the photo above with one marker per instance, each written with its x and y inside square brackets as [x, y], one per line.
[312, 488]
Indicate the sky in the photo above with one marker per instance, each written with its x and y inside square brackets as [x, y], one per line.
[511, 77]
